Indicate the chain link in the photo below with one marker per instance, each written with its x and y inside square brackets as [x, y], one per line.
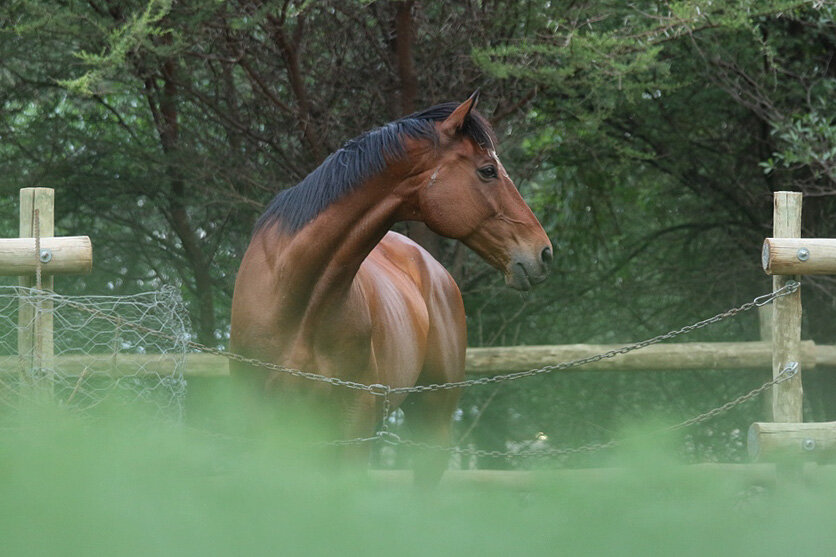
[387, 408]
[392, 439]
[786, 290]
[789, 371]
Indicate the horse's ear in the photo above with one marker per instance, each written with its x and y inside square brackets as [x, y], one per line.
[458, 117]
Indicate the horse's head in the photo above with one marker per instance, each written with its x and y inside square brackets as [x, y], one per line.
[471, 198]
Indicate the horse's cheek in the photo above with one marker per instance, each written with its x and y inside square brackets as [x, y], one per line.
[448, 216]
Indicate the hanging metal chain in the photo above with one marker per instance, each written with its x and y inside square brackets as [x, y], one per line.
[392, 439]
[385, 391]
[387, 408]
[786, 290]
[789, 371]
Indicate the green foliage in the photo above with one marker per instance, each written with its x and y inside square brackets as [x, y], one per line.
[809, 141]
[136, 33]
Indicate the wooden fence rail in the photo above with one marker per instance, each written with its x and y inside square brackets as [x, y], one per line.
[493, 360]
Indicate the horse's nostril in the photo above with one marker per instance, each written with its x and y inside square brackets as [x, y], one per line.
[546, 255]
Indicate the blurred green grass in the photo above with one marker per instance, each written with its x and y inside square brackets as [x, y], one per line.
[124, 483]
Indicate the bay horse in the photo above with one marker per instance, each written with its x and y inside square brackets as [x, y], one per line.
[326, 287]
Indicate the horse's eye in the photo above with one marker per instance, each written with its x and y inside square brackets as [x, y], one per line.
[488, 172]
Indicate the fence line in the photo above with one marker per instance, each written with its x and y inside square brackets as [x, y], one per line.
[385, 391]
[121, 324]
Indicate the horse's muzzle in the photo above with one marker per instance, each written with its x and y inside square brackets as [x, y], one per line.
[525, 271]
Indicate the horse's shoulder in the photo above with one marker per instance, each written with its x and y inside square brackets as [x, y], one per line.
[396, 243]
[421, 281]
[411, 258]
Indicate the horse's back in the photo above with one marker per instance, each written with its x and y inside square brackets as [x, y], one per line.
[418, 320]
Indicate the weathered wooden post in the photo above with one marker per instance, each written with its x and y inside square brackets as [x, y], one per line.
[765, 330]
[35, 257]
[35, 341]
[786, 256]
[786, 318]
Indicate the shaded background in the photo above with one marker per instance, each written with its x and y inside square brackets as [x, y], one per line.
[648, 138]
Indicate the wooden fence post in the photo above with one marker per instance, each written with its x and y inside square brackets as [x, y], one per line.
[786, 321]
[787, 436]
[35, 341]
[765, 328]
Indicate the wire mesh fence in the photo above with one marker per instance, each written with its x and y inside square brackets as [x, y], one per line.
[92, 358]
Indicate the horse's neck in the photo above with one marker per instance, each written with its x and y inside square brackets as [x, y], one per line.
[318, 264]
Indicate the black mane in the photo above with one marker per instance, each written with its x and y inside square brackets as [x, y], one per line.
[357, 161]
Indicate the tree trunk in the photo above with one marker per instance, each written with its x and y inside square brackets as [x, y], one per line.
[408, 87]
[165, 116]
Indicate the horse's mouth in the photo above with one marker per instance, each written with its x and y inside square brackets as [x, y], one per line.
[518, 277]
